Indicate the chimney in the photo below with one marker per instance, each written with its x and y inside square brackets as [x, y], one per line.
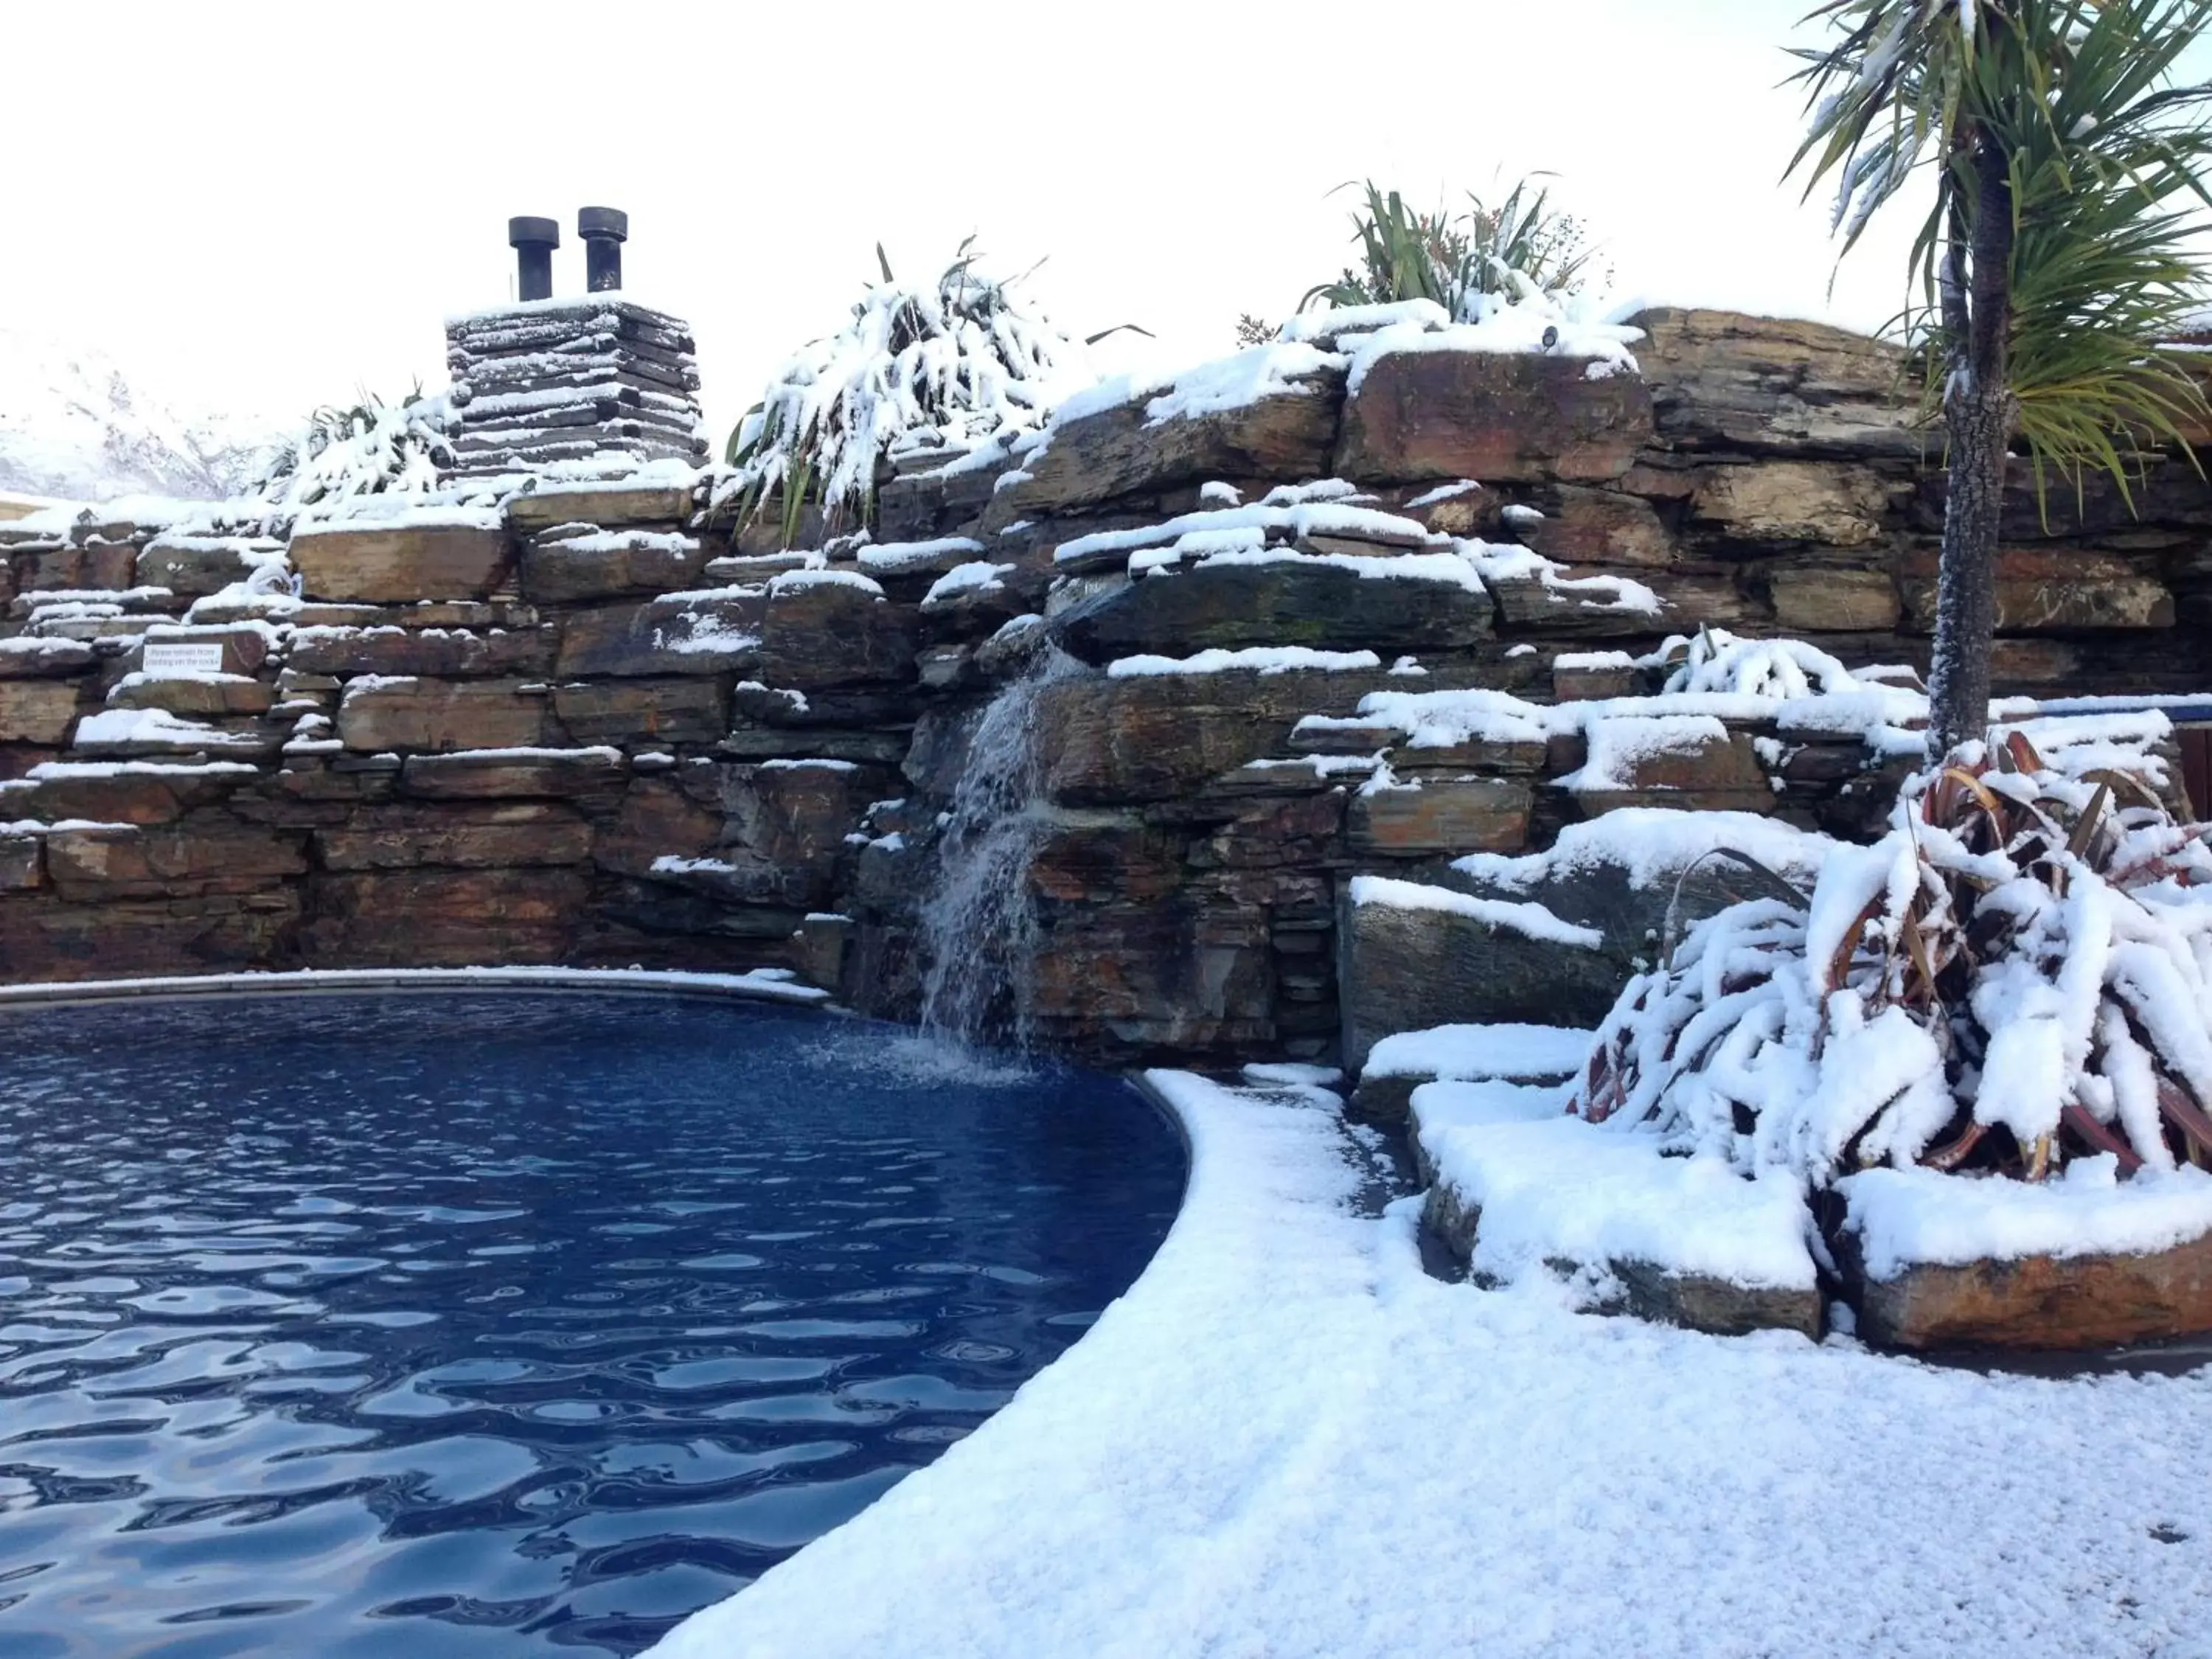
[534, 241]
[604, 230]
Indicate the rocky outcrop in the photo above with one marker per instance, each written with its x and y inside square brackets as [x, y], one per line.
[597, 723]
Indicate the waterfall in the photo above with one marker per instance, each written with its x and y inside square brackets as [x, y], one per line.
[978, 929]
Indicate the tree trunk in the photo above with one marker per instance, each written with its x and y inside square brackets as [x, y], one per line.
[1978, 422]
[1978, 415]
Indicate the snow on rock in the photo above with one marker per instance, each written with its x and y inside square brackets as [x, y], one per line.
[130, 728]
[1287, 1439]
[1282, 369]
[1529, 920]
[800, 582]
[1622, 745]
[1469, 1051]
[1251, 524]
[1906, 1217]
[1652, 845]
[1257, 658]
[1498, 562]
[897, 558]
[1554, 1187]
[978, 576]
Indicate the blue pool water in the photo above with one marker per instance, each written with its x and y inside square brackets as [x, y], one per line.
[500, 1324]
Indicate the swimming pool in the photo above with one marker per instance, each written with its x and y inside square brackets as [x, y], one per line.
[505, 1323]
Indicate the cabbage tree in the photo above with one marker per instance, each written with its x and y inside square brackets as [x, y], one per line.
[2056, 259]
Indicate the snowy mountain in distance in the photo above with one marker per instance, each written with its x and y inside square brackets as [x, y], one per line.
[74, 425]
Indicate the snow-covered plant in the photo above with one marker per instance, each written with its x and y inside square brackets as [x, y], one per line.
[1520, 250]
[373, 448]
[2018, 973]
[1714, 660]
[948, 365]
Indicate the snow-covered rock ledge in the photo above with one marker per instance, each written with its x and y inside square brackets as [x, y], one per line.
[1285, 1439]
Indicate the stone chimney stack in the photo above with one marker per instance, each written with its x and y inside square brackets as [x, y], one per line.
[591, 387]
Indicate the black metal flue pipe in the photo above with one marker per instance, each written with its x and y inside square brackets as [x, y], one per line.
[534, 241]
[604, 230]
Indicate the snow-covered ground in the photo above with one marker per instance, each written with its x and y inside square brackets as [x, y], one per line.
[1286, 1440]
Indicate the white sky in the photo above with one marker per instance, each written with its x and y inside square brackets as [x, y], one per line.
[262, 207]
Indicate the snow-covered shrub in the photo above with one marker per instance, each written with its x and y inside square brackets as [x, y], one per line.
[1520, 250]
[945, 366]
[1714, 660]
[373, 448]
[2018, 973]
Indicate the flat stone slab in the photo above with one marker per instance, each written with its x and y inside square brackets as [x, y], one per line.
[399, 564]
[1293, 599]
[1495, 416]
[1935, 1262]
[1516, 1186]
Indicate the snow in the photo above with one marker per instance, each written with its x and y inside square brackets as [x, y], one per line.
[978, 576]
[120, 728]
[1257, 658]
[800, 582]
[1331, 321]
[1285, 1440]
[1469, 1051]
[1620, 746]
[1512, 328]
[1529, 920]
[1449, 492]
[1262, 371]
[597, 752]
[1288, 518]
[1653, 844]
[897, 558]
[1904, 1217]
[626, 541]
[1556, 1188]
[400, 512]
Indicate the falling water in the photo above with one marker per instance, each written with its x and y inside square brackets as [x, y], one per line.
[979, 924]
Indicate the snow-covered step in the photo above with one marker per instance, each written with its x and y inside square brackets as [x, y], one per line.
[1516, 1188]
[1517, 1054]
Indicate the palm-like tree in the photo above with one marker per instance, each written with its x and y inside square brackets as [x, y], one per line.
[2056, 259]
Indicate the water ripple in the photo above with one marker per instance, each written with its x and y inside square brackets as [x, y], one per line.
[504, 1325]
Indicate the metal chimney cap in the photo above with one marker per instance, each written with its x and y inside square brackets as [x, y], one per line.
[533, 232]
[611, 224]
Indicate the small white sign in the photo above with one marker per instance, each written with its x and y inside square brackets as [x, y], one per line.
[178, 658]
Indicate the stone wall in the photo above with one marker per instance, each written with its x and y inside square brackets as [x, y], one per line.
[591, 726]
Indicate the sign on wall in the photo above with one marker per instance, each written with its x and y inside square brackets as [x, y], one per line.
[176, 656]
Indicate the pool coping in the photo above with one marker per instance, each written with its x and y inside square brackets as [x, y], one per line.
[762, 985]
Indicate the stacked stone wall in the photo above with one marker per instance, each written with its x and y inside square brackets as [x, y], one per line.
[605, 726]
